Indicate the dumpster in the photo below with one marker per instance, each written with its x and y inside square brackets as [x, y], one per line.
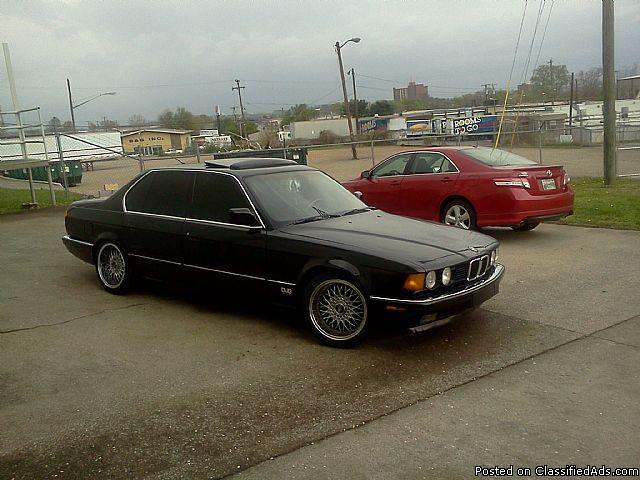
[298, 154]
[72, 168]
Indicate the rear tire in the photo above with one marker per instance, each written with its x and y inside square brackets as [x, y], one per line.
[114, 274]
[336, 310]
[459, 213]
[525, 227]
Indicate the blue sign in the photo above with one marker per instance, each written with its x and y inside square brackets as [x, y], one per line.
[474, 125]
[374, 124]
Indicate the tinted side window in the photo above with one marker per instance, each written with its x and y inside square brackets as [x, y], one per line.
[138, 193]
[214, 194]
[430, 162]
[394, 166]
[161, 193]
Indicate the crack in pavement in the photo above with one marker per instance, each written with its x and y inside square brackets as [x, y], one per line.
[71, 319]
[453, 387]
[568, 329]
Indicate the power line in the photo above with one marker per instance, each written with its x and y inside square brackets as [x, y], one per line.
[544, 33]
[399, 83]
[515, 53]
[525, 70]
[513, 64]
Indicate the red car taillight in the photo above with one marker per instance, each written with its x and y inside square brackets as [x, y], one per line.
[512, 182]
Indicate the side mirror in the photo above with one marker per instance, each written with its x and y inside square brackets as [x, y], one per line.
[243, 216]
[365, 174]
[358, 194]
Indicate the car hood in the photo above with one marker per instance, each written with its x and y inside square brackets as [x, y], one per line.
[399, 238]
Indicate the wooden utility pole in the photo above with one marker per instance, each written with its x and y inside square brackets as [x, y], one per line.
[355, 100]
[551, 93]
[354, 153]
[571, 105]
[609, 87]
[239, 88]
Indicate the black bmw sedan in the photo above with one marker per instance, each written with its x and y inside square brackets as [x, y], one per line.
[287, 230]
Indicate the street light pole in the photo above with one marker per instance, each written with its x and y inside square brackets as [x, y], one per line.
[354, 154]
[72, 107]
[73, 118]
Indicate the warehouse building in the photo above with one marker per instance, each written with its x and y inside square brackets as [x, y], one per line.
[155, 141]
[628, 87]
[311, 129]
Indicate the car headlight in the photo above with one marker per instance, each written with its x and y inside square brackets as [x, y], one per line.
[494, 257]
[431, 279]
[446, 276]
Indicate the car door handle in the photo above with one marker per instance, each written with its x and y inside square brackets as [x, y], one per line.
[447, 179]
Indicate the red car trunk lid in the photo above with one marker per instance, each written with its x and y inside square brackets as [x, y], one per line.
[543, 179]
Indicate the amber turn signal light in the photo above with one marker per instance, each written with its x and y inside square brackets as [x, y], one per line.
[414, 282]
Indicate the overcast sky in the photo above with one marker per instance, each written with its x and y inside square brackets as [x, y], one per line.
[166, 54]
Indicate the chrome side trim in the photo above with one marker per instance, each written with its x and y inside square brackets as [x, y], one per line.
[496, 275]
[223, 272]
[223, 224]
[199, 268]
[170, 217]
[67, 237]
[281, 282]
[153, 259]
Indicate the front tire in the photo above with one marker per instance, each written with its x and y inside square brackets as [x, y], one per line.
[525, 227]
[336, 311]
[111, 267]
[458, 213]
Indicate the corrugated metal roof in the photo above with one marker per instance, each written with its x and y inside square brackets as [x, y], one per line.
[159, 130]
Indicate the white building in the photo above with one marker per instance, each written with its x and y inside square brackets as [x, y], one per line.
[311, 129]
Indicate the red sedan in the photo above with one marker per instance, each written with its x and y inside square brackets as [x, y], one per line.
[468, 187]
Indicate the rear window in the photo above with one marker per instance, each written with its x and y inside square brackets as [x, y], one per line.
[495, 157]
[161, 193]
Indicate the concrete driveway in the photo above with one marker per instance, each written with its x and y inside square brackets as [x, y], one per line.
[161, 384]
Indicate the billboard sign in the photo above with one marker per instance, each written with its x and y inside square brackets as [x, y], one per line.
[416, 128]
[374, 125]
[464, 125]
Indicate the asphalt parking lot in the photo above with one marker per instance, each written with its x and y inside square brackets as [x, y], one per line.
[167, 383]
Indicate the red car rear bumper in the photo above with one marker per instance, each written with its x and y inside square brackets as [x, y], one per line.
[527, 208]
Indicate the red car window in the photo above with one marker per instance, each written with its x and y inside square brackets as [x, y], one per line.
[393, 166]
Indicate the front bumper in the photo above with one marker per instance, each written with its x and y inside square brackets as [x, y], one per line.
[436, 309]
[82, 250]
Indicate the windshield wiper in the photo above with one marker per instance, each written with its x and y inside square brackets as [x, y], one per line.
[357, 210]
[308, 219]
[322, 215]
[321, 212]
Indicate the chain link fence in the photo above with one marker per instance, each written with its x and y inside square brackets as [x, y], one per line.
[94, 164]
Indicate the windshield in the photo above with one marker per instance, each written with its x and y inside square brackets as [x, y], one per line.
[302, 195]
[495, 157]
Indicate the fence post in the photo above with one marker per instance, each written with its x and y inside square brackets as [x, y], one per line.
[140, 160]
[195, 145]
[540, 142]
[63, 172]
[373, 158]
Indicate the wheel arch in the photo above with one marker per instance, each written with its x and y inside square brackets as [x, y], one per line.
[453, 197]
[106, 237]
[339, 267]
